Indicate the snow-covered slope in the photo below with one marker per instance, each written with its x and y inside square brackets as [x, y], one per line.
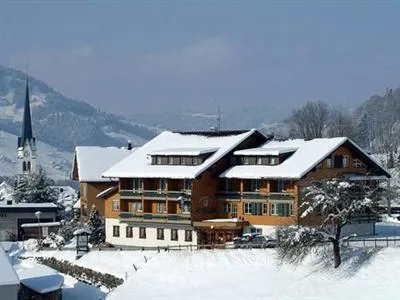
[57, 163]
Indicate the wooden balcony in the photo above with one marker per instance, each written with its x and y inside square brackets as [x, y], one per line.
[254, 196]
[223, 195]
[154, 194]
[281, 196]
[155, 218]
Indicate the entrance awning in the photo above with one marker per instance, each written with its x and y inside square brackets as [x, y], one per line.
[220, 224]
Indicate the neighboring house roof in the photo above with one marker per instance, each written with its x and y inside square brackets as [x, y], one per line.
[92, 161]
[41, 279]
[308, 154]
[77, 204]
[138, 164]
[8, 276]
[28, 205]
[184, 151]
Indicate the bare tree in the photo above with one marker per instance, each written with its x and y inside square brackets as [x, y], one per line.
[340, 123]
[332, 204]
[309, 121]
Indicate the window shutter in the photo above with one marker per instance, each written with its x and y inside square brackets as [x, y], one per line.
[253, 208]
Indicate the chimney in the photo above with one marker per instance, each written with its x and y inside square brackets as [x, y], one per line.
[129, 145]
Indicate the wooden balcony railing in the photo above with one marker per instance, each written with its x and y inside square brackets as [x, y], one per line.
[281, 196]
[155, 218]
[138, 194]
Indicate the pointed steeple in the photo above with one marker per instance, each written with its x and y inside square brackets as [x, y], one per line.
[26, 133]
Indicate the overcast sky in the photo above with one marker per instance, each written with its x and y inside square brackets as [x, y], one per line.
[142, 56]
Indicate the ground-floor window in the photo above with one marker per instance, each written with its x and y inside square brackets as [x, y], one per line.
[247, 207]
[254, 208]
[234, 210]
[281, 209]
[174, 234]
[227, 208]
[129, 232]
[256, 230]
[160, 233]
[188, 235]
[265, 208]
[142, 232]
[116, 230]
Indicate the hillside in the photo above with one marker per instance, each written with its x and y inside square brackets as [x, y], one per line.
[59, 121]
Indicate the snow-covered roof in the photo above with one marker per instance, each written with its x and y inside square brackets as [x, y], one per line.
[8, 276]
[77, 204]
[45, 224]
[40, 278]
[106, 192]
[266, 151]
[82, 230]
[138, 164]
[92, 161]
[5, 191]
[308, 155]
[28, 205]
[194, 151]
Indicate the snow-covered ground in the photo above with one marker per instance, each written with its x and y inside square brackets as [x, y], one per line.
[366, 273]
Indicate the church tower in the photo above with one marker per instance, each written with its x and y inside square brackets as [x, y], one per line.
[26, 142]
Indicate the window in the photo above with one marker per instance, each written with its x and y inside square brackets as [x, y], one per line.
[129, 232]
[228, 184]
[186, 207]
[197, 161]
[176, 160]
[234, 210]
[29, 166]
[247, 207]
[116, 231]
[163, 184]
[136, 207]
[174, 234]
[274, 209]
[256, 230]
[142, 232]
[273, 160]
[329, 162]
[319, 166]
[281, 185]
[255, 185]
[160, 233]
[115, 205]
[357, 163]
[246, 160]
[282, 209]
[259, 161]
[188, 235]
[256, 208]
[345, 161]
[24, 166]
[170, 160]
[252, 160]
[338, 161]
[187, 160]
[187, 184]
[227, 208]
[265, 208]
[137, 184]
[158, 160]
[161, 207]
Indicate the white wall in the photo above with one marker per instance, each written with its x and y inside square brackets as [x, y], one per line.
[266, 229]
[151, 236]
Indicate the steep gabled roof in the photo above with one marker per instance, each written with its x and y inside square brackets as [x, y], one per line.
[92, 161]
[26, 134]
[138, 164]
[307, 156]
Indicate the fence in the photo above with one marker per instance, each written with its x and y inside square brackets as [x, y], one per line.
[377, 242]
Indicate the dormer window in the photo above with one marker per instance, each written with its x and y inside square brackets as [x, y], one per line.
[255, 185]
[273, 160]
[357, 163]
[162, 184]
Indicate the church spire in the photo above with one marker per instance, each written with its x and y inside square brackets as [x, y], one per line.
[26, 134]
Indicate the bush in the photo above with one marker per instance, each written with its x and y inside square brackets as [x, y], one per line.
[80, 273]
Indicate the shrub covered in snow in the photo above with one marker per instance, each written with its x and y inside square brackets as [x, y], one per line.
[80, 273]
[31, 245]
[53, 241]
